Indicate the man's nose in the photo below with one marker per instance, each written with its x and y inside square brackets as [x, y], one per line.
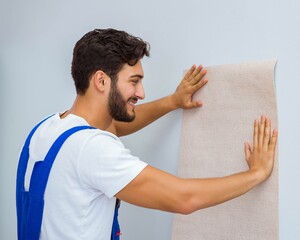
[140, 93]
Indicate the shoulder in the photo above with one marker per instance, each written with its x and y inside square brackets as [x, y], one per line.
[99, 140]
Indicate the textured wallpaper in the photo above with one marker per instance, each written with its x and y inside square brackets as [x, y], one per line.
[212, 145]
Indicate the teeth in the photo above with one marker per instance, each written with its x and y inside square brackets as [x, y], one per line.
[132, 102]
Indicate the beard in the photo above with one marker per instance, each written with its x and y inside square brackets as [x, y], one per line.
[117, 106]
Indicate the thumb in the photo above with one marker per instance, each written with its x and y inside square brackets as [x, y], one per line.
[195, 104]
[247, 150]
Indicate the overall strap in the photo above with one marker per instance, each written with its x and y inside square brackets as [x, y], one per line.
[30, 205]
[22, 165]
[40, 174]
[116, 232]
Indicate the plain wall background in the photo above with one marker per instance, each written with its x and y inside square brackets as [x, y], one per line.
[37, 38]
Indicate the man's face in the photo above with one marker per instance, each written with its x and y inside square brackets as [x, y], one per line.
[125, 93]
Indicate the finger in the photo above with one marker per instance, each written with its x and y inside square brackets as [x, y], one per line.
[199, 85]
[197, 78]
[190, 71]
[195, 73]
[273, 140]
[247, 150]
[261, 130]
[197, 70]
[267, 134]
[255, 134]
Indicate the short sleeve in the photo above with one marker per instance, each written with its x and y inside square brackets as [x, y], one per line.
[106, 165]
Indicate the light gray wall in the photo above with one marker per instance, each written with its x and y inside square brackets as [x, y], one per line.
[36, 44]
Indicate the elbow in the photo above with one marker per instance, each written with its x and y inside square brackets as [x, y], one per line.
[184, 200]
[187, 208]
[186, 211]
[187, 205]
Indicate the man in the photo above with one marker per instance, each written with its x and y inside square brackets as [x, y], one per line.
[93, 168]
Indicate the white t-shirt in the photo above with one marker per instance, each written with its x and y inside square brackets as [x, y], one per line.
[90, 168]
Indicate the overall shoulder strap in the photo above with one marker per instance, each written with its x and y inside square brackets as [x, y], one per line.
[30, 205]
[51, 155]
[41, 171]
[24, 156]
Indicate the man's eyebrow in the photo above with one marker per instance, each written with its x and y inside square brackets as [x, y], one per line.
[137, 75]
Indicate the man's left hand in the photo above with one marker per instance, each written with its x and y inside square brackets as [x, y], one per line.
[191, 83]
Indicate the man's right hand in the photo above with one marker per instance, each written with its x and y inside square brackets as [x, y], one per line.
[260, 157]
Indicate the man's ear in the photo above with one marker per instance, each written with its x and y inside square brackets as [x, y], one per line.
[100, 80]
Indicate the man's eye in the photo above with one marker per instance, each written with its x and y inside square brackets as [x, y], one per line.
[134, 82]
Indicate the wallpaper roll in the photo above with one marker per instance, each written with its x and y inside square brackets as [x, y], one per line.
[212, 145]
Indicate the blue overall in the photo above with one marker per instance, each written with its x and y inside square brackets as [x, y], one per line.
[30, 204]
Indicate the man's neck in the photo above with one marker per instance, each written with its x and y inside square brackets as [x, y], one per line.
[93, 112]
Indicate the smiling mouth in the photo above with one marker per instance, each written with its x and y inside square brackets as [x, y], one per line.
[132, 101]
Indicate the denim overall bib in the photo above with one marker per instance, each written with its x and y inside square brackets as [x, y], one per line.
[30, 204]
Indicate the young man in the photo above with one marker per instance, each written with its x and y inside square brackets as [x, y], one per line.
[93, 168]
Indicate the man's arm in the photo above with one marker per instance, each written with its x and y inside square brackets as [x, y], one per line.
[156, 189]
[149, 112]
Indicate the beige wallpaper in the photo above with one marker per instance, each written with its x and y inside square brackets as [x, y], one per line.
[212, 141]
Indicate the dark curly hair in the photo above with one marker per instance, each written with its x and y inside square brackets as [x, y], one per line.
[107, 50]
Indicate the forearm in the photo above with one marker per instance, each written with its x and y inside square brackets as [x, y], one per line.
[203, 193]
[160, 190]
[145, 114]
